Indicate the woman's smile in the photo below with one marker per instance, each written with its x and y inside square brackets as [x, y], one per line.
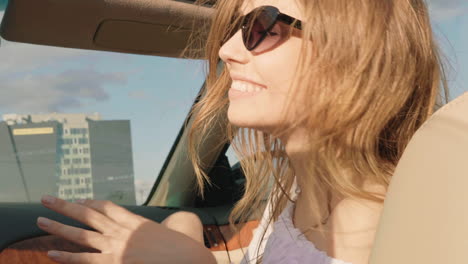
[243, 89]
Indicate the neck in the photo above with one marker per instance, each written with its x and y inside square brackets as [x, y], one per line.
[296, 149]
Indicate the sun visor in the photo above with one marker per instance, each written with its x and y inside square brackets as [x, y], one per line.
[126, 36]
[150, 27]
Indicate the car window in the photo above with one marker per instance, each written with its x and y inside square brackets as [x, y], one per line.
[232, 156]
[87, 124]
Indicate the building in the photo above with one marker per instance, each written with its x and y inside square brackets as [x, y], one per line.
[72, 156]
[111, 161]
[29, 161]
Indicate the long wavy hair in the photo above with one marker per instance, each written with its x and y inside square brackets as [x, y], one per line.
[373, 74]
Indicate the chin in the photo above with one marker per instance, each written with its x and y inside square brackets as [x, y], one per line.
[240, 119]
[247, 119]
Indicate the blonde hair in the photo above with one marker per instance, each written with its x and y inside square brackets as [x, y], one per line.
[373, 73]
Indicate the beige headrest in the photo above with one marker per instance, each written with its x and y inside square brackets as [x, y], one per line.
[425, 215]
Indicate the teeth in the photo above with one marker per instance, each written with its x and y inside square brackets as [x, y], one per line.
[245, 86]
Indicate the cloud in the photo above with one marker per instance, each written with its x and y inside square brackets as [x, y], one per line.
[55, 92]
[21, 57]
[139, 95]
[447, 9]
[33, 79]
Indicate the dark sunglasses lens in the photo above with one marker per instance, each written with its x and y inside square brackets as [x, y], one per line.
[256, 26]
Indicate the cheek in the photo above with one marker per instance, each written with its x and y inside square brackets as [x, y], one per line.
[265, 111]
[278, 67]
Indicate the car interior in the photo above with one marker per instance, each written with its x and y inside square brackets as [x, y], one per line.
[159, 28]
[423, 219]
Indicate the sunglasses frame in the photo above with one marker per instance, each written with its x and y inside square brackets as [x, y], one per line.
[288, 20]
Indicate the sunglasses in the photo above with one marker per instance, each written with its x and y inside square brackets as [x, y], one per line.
[266, 27]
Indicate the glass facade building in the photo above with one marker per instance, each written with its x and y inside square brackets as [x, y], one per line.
[72, 156]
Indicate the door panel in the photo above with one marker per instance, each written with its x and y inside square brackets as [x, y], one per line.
[34, 250]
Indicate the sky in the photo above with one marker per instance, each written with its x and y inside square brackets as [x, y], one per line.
[155, 93]
[450, 23]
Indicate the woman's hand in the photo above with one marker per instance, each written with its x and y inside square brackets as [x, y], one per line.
[121, 236]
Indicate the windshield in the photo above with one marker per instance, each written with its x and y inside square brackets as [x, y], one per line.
[88, 124]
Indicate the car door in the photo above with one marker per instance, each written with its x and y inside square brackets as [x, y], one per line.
[52, 144]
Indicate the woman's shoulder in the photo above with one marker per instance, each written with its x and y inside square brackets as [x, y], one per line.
[353, 223]
[351, 213]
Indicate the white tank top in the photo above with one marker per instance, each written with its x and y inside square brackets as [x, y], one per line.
[284, 242]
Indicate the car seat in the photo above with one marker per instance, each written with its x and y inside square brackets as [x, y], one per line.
[425, 215]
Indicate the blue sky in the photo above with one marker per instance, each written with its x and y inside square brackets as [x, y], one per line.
[155, 93]
[450, 23]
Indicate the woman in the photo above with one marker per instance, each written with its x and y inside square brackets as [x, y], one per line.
[322, 93]
[325, 92]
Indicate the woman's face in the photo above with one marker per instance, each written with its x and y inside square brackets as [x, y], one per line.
[267, 75]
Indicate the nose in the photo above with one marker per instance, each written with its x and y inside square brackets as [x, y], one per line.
[234, 51]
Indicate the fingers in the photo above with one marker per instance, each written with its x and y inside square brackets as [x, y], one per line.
[74, 234]
[81, 213]
[79, 258]
[115, 212]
